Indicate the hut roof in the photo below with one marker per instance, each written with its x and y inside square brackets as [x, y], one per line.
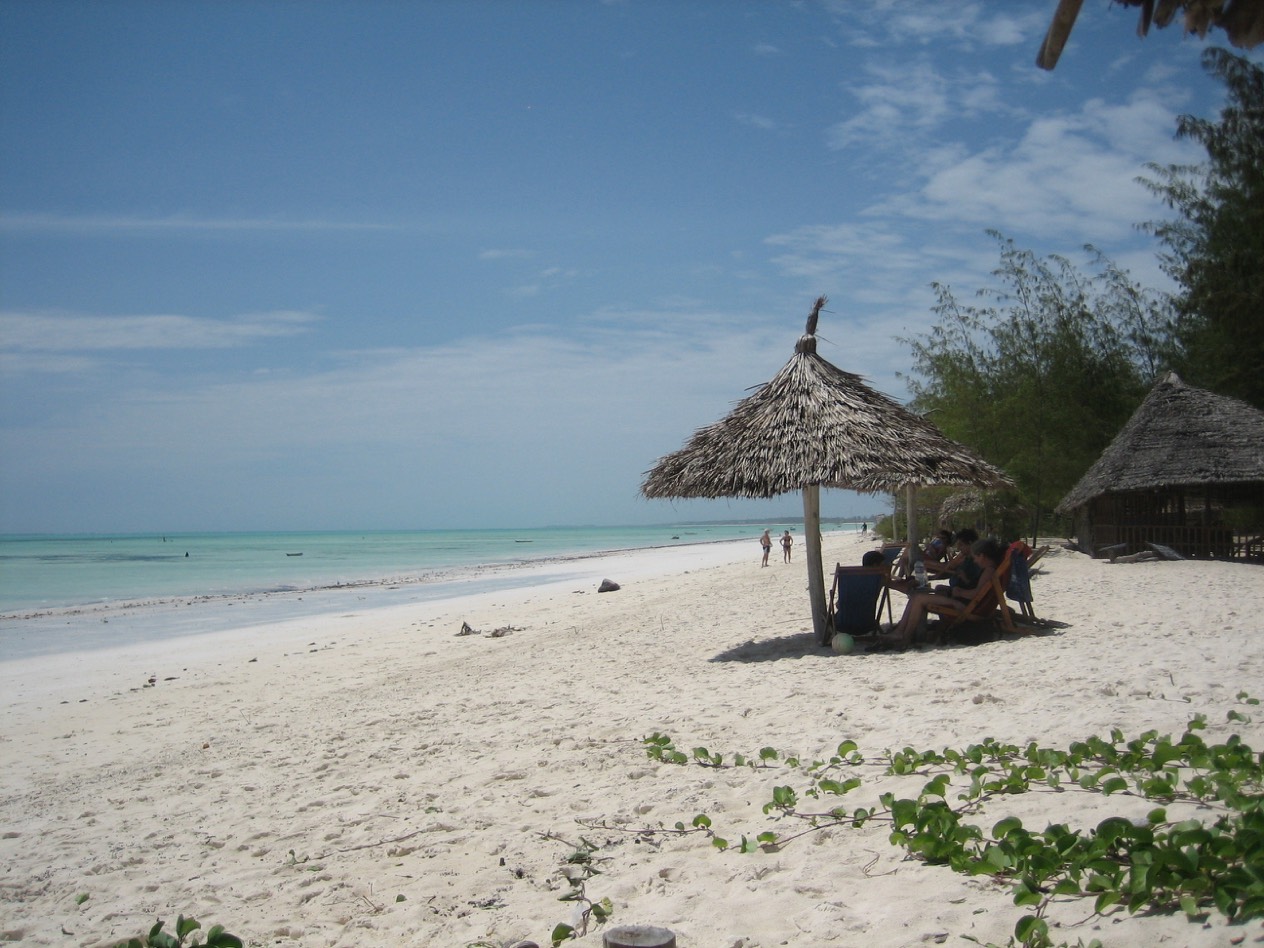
[1242, 21]
[814, 424]
[974, 501]
[1179, 436]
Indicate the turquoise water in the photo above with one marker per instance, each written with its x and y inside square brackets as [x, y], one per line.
[54, 572]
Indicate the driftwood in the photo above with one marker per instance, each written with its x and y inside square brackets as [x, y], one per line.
[1145, 556]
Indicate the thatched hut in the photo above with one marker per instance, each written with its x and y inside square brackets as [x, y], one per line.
[812, 426]
[1184, 466]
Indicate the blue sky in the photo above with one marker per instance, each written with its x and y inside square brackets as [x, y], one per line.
[277, 265]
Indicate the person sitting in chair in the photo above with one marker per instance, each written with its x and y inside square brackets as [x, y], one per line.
[960, 570]
[936, 551]
[986, 554]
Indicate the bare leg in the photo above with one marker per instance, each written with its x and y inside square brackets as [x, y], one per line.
[915, 612]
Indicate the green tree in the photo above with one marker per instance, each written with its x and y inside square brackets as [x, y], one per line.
[1044, 374]
[1215, 247]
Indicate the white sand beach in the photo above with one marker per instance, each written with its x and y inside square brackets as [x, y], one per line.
[370, 777]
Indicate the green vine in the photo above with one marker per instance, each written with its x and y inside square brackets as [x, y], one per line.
[1153, 864]
[216, 937]
[579, 868]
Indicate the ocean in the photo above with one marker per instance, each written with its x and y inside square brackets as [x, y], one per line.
[61, 593]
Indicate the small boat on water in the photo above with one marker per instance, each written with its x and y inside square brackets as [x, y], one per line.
[293, 554]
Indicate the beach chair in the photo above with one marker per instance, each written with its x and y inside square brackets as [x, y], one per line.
[982, 607]
[1018, 587]
[1035, 557]
[856, 598]
[892, 552]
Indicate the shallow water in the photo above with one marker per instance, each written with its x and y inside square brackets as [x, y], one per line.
[60, 594]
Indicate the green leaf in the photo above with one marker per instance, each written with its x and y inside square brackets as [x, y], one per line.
[560, 933]
[784, 796]
[1030, 927]
[846, 747]
[702, 821]
[1105, 901]
[936, 787]
[1006, 826]
[185, 927]
[1024, 894]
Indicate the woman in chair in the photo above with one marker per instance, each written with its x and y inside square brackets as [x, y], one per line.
[961, 570]
[986, 554]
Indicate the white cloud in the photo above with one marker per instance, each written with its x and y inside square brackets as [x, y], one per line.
[1068, 175]
[755, 121]
[97, 224]
[550, 278]
[895, 23]
[513, 416]
[912, 100]
[68, 332]
[505, 254]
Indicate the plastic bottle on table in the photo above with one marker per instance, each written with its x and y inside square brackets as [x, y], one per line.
[919, 574]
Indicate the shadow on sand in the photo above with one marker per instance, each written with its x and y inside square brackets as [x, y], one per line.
[804, 644]
[799, 645]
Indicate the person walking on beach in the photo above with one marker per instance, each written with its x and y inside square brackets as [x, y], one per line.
[766, 542]
[787, 541]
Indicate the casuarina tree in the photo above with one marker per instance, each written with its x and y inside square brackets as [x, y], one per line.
[1214, 247]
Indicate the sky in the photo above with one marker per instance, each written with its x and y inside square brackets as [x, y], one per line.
[268, 265]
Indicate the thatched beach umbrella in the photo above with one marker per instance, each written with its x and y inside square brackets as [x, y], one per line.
[812, 426]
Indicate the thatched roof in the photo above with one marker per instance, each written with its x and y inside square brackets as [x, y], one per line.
[971, 502]
[1181, 436]
[814, 424]
[1242, 21]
